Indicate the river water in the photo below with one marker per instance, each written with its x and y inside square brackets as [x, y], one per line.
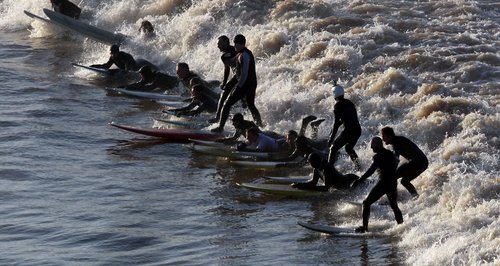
[75, 191]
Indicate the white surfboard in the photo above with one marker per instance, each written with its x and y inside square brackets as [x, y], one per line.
[94, 69]
[209, 143]
[147, 95]
[85, 29]
[288, 179]
[281, 189]
[264, 164]
[338, 231]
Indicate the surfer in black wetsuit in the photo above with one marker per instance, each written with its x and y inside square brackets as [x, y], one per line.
[199, 103]
[240, 125]
[416, 163]
[153, 81]
[228, 58]
[124, 61]
[386, 162]
[190, 79]
[66, 8]
[345, 114]
[327, 172]
[246, 86]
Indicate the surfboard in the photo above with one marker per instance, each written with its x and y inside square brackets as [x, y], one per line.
[264, 164]
[147, 95]
[174, 104]
[85, 29]
[328, 229]
[172, 135]
[338, 231]
[209, 143]
[288, 179]
[280, 189]
[210, 150]
[182, 123]
[95, 69]
[31, 15]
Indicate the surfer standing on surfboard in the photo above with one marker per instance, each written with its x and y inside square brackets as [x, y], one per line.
[386, 162]
[345, 114]
[228, 58]
[417, 161]
[246, 86]
[66, 8]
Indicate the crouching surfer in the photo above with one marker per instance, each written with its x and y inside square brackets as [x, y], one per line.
[327, 172]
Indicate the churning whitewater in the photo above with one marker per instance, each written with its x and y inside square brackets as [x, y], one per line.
[429, 69]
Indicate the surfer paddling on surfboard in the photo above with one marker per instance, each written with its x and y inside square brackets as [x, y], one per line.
[66, 8]
[124, 61]
[153, 81]
[327, 172]
[199, 103]
[385, 161]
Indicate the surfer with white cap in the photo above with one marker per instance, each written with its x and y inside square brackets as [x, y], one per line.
[345, 114]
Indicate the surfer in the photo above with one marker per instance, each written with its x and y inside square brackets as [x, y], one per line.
[124, 61]
[147, 29]
[153, 81]
[304, 147]
[228, 58]
[199, 103]
[190, 79]
[246, 86]
[416, 163]
[386, 162]
[345, 114]
[66, 8]
[240, 125]
[326, 172]
[262, 142]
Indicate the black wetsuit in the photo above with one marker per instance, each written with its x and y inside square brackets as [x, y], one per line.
[228, 59]
[157, 80]
[331, 178]
[345, 114]
[246, 87]
[417, 162]
[198, 106]
[122, 60]
[386, 162]
[193, 79]
[66, 8]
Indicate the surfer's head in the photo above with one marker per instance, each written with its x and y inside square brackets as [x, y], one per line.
[376, 144]
[237, 119]
[146, 27]
[252, 134]
[114, 49]
[182, 70]
[387, 134]
[239, 42]
[338, 91]
[222, 42]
